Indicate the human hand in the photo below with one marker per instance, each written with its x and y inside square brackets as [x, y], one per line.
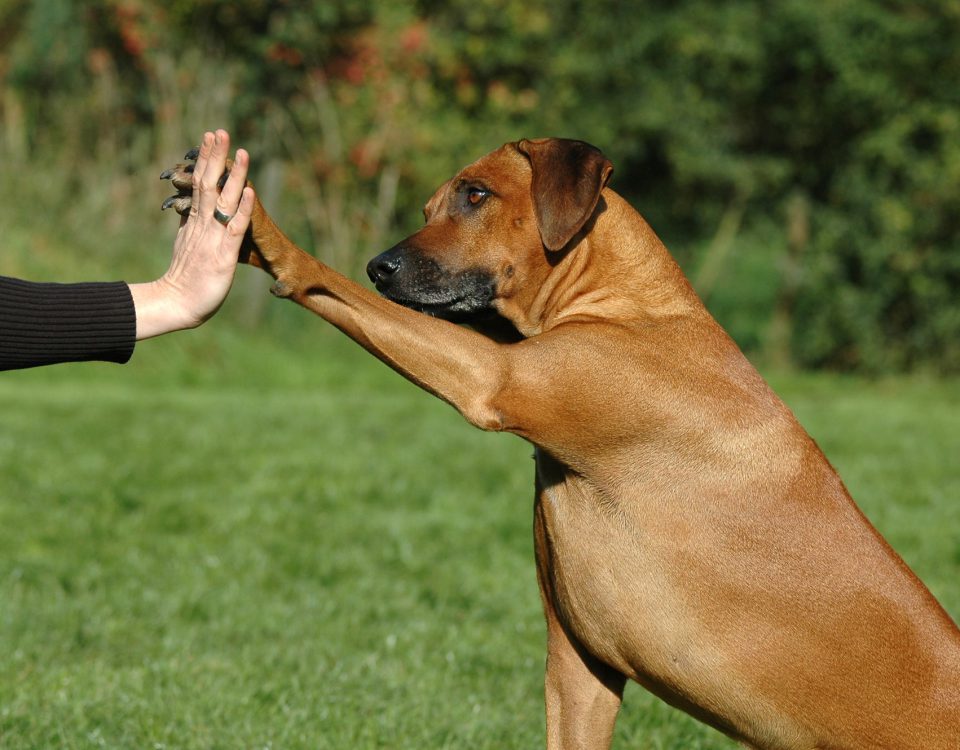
[205, 251]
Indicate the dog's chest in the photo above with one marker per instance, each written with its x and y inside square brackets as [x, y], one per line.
[615, 577]
[600, 569]
[611, 575]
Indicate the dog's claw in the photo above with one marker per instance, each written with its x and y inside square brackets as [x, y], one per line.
[181, 169]
[182, 177]
[179, 203]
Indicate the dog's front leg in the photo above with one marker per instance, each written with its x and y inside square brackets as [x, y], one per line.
[583, 694]
[458, 365]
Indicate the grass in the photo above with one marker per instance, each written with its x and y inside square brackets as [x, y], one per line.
[238, 543]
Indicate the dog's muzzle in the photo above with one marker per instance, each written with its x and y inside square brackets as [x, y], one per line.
[406, 276]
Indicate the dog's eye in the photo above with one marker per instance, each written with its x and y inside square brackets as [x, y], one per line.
[475, 196]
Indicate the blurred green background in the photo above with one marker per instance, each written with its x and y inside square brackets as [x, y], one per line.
[802, 160]
[255, 535]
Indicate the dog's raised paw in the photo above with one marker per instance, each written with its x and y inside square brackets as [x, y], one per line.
[182, 178]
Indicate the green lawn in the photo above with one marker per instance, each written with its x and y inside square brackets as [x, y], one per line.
[239, 544]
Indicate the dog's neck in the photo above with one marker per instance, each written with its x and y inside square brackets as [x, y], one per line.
[617, 245]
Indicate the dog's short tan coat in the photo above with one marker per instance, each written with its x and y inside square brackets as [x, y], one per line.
[689, 534]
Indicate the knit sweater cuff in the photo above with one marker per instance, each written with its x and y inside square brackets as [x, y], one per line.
[44, 323]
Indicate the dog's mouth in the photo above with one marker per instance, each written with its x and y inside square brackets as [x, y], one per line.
[472, 295]
[420, 283]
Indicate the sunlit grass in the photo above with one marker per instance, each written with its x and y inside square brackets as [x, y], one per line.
[232, 543]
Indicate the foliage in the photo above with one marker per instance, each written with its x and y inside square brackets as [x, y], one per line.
[721, 119]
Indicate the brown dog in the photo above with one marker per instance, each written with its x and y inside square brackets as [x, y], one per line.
[689, 533]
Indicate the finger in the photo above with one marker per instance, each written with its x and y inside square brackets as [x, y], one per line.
[206, 145]
[237, 226]
[233, 189]
[212, 171]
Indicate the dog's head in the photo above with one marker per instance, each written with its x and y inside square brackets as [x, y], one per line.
[494, 230]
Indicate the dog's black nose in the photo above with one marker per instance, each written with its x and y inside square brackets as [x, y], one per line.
[384, 266]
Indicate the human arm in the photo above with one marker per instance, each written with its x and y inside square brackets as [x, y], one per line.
[44, 323]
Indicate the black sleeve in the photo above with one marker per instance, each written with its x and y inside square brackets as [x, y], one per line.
[42, 324]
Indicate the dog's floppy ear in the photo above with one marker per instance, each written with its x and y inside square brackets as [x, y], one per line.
[567, 179]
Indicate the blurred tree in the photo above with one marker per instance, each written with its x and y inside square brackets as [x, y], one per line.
[721, 119]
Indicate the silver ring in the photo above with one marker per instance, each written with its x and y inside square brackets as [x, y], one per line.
[221, 216]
